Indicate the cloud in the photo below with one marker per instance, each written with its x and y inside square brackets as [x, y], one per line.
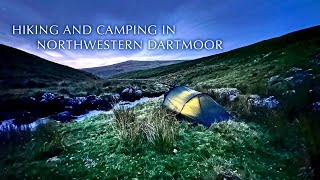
[233, 22]
[53, 54]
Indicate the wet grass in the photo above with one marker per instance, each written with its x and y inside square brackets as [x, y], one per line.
[94, 149]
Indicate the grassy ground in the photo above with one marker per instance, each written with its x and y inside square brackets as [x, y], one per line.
[94, 149]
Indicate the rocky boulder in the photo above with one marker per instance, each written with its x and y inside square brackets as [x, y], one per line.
[227, 176]
[115, 98]
[269, 102]
[316, 60]
[49, 104]
[289, 92]
[274, 79]
[228, 94]
[75, 105]
[314, 93]
[315, 107]
[64, 116]
[58, 107]
[297, 76]
[24, 117]
[80, 105]
[131, 93]
[47, 97]
[97, 103]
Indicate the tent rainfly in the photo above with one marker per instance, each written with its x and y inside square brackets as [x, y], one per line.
[195, 105]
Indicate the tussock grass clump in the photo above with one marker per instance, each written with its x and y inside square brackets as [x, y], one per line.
[124, 118]
[128, 128]
[164, 126]
[157, 129]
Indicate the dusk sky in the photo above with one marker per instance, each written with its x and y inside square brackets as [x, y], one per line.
[237, 23]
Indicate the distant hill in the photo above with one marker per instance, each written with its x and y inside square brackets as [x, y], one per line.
[127, 66]
[23, 70]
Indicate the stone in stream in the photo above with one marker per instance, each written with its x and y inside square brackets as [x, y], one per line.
[75, 105]
[47, 97]
[80, 105]
[64, 116]
[58, 107]
[49, 104]
[24, 117]
[97, 103]
[6, 115]
[131, 94]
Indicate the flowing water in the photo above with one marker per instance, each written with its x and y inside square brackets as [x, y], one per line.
[8, 124]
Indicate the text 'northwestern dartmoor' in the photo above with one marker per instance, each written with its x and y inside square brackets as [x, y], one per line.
[112, 37]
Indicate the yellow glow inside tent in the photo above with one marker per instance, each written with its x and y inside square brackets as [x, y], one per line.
[192, 108]
[177, 101]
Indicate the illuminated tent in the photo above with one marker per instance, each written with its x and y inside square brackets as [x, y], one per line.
[195, 105]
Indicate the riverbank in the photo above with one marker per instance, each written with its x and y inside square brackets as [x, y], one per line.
[8, 125]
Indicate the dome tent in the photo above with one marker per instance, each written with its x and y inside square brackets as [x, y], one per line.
[195, 105]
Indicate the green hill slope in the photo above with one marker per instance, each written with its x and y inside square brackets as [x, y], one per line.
[248, 68]
[20, 69]
[127, 66]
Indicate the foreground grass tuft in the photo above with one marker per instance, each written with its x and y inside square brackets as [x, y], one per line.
[158, 129]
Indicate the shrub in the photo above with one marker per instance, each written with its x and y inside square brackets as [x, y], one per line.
[158, 129]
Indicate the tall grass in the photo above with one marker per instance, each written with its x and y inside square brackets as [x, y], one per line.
[157, 129]
[128, 128]
[165, 128]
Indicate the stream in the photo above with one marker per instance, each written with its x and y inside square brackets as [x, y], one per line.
[8, 124]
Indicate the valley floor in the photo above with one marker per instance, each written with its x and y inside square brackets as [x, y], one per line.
[94, 149]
